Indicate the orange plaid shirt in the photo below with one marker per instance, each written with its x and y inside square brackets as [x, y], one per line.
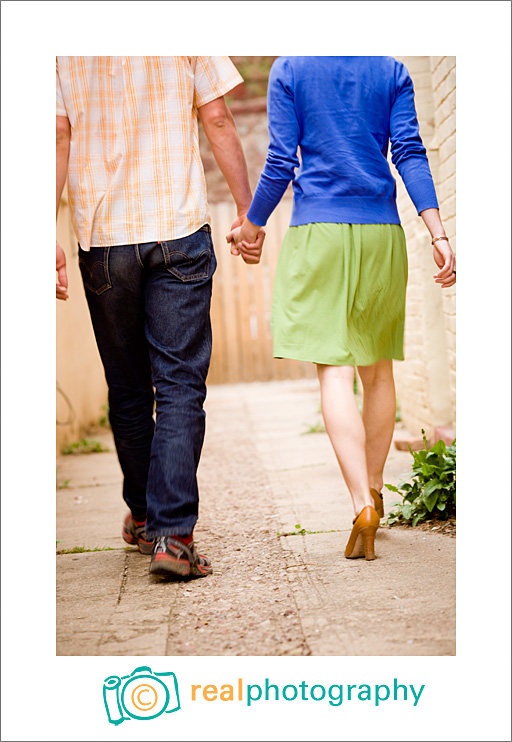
[135, 173]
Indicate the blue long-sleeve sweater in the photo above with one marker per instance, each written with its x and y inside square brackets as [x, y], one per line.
[342, 112]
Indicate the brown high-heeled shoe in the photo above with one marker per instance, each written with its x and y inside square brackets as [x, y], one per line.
[379, 502]
[362, 538]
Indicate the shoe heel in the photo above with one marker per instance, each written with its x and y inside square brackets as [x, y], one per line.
[368, 535]
[362, 538]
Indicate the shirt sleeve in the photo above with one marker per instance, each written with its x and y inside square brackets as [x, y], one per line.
[61, 108]
[213, 78]
[408, 154]
[284, 132]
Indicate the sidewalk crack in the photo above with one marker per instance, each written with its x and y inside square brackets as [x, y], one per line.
[122, 587]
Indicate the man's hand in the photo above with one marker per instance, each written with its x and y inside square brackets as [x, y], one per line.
[446, 261]
[238, 221]
[62, 277]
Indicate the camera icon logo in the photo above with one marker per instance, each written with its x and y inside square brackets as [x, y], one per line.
[143, 695]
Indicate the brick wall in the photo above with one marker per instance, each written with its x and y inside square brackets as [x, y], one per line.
[426, 379]
[443, 87]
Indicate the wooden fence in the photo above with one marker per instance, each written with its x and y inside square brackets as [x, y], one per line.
[241, 306]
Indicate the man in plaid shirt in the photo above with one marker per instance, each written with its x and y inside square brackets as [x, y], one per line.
[127, 141]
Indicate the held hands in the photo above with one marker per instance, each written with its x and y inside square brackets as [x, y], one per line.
[62, 277]
[446, 261]
[246, 240]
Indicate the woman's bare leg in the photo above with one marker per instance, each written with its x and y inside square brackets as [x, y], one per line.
[346, 430]
[379, 412]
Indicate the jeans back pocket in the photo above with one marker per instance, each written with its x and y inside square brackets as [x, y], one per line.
[94, 268]
[190, 258]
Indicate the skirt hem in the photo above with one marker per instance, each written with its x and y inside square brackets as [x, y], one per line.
[297, 355]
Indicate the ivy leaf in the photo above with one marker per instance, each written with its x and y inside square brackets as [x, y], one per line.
[391, 487]
[439, 448]
[417, 519]
[407, 510]
[430, 495]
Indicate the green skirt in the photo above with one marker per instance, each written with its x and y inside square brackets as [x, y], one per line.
[339, 294]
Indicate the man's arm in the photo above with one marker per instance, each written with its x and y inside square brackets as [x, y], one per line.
[220, 129]
[63, 137]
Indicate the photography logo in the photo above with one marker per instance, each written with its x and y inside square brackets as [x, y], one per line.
[142, 695]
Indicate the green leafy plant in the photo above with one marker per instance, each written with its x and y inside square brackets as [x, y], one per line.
[429, 491]
[86, 445]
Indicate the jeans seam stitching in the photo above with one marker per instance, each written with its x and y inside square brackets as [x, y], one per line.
[137, 255]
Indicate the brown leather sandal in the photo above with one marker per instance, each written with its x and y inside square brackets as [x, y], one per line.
[362, 538]
[379, 502]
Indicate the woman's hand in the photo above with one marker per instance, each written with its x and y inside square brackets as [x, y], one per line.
[443, 253]
[247, 241]
[446, 261]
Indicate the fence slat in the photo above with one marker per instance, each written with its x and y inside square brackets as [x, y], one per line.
[241, 307]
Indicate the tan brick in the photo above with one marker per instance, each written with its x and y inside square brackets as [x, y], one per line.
[450, 227]
[446, 189]
[445, 87]
[449, 291]
[434, 63]
[442, 70]
[448, 207]
[450, 323]
[447, 148]
[447, 168]
[446, 108]
[449, 304]
[446, 128]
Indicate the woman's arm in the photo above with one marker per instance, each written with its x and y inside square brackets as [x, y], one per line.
[443, 253]
[283, 130]
[408, 153]
[409, 156]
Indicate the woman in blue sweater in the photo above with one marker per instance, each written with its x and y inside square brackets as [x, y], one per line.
[339, 288]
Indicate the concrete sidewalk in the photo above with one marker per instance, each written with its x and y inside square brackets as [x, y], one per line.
[260, 474]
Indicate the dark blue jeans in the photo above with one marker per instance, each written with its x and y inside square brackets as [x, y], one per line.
[150, 309]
